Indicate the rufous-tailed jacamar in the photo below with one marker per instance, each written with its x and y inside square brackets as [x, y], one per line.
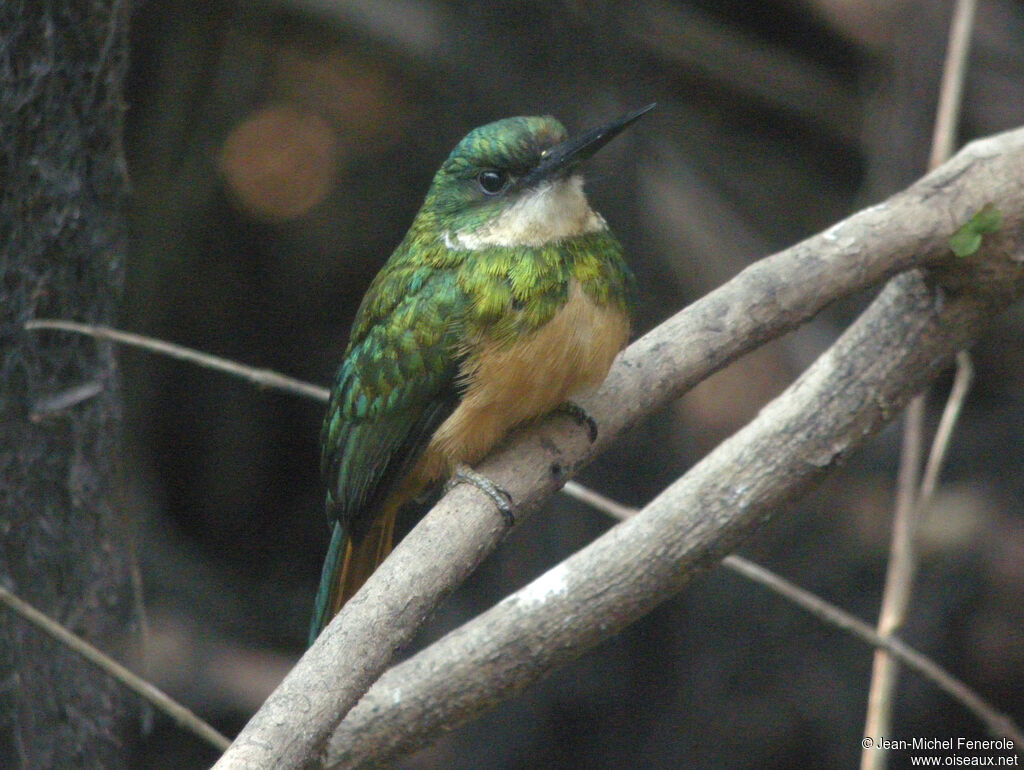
[507, 296]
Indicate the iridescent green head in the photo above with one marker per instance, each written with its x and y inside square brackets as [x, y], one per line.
[514, 182]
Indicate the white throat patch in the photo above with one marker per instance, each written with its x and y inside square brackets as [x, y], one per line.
[552, 212]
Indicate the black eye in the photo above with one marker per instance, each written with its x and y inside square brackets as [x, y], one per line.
[492, 181]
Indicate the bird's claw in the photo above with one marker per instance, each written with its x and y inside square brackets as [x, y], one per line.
[502, 499]
[580, 416]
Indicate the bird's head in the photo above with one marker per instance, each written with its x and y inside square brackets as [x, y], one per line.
[515, 182]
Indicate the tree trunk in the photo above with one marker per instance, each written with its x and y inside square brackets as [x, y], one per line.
[65, 545]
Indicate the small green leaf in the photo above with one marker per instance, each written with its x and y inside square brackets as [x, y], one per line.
[988, 220]
[965, 242]
[967, 239]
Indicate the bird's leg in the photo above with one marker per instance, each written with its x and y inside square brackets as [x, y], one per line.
[501, 498]
[580, 416]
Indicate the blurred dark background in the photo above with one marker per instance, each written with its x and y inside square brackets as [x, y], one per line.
[278, 151]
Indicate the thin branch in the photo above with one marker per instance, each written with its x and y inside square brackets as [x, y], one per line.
[994, 720]
[264, 378]
[962, 380]
[596, 500]
[910, 511]
[181, 715]
[954, 73]
[899, 581]
[902, 566]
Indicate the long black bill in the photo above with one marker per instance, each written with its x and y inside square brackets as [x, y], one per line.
[570, 153]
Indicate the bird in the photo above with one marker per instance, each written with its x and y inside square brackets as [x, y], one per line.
[508, 296]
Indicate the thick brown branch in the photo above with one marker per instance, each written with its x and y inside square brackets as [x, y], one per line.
[905, 338]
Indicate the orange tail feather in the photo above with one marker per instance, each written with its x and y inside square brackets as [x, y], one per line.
[362, 558]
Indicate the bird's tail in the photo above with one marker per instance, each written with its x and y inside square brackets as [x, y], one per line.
[348, 565]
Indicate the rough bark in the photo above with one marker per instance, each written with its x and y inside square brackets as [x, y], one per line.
[63, 544]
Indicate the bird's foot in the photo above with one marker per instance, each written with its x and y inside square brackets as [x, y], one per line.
[503, 500]
[580, 416]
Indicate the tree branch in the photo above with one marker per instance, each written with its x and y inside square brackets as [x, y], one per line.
[996, 722]
[899, 577]
[905, 338]
[263, 378]
[182, 716]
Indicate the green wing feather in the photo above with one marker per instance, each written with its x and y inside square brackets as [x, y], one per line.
[396, 385]
[399, 379]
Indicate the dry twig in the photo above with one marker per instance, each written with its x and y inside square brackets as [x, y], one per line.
[181, 715]
[911, 501]
[995, 721]
[262, 377]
